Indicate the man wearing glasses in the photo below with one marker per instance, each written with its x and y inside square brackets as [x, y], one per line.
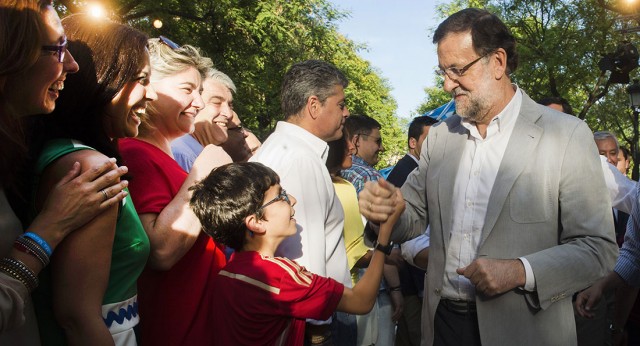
[512, 191]
[364, 132]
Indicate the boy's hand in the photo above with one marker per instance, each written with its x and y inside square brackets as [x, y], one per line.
[376, 200]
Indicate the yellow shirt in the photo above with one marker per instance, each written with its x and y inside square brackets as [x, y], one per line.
[353, 226]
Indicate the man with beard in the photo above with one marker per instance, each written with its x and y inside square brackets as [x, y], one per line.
[512, 191]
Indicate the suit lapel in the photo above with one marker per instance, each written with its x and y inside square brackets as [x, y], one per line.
[452, 151]
[522, 143]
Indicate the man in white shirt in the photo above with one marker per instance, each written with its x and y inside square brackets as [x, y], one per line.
[512, 191]
[313, 104]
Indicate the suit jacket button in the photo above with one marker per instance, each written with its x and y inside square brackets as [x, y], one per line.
[437, 291]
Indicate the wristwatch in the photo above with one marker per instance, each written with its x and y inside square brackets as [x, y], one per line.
[386, 249]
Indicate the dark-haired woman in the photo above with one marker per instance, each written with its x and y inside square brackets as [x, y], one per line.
[89, 296]
[33, 66]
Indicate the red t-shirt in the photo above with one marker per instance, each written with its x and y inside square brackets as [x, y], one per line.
[174, 305]
[265, 300]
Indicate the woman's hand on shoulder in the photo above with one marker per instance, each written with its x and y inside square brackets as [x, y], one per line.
[91, 186]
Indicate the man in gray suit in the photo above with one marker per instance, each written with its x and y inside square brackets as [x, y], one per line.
[512, 191]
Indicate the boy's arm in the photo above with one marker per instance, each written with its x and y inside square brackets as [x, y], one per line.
[360, 299]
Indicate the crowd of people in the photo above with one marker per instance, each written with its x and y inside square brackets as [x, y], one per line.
[135, 208]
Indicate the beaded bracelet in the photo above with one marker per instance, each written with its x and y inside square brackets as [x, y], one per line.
[31, 248]
[20, 271]
[43, 243]
[394, 289]
[11, 273]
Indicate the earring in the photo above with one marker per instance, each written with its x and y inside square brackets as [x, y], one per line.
[251, 234]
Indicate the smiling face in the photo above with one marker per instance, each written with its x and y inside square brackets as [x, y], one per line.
[218, 109]
[278, 217]
[473, 91]
[370, 146]
[608, 148]
[178, 103]
[124, 111]
[35, 90]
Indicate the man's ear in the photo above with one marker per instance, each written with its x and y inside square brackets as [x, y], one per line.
[313, 106]
[413, 143]
[499, 63]
[254, 224]
[354, 141]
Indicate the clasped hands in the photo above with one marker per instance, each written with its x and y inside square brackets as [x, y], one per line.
[377, 202]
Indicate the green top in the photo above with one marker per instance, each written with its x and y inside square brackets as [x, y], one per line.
[129, 257]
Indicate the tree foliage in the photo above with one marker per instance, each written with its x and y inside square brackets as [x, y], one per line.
[256, 41]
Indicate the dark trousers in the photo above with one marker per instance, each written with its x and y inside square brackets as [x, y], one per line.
[454, 328]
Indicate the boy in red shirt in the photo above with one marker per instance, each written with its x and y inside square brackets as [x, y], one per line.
[262, 299]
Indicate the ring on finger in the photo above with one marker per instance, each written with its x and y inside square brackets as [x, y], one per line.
[106, 196]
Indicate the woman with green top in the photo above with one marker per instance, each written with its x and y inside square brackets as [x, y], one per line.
[89, 295]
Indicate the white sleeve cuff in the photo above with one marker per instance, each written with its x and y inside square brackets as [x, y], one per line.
[530, 284]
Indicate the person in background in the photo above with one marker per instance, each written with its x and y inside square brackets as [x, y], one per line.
[411, 277]
[176, 287]
[624, 160]
[103, 260]
[358, 254]
[378, 326]
[33, 66]
[557, 103]
[211, 122]
[313, 104]
[253, 142]
[236, 145]
[364, 133]
[607, 144]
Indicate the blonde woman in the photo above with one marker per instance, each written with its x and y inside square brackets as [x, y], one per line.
[175, 289]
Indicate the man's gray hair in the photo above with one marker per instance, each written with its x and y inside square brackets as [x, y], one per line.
[602, 135]
[221, 77]
[306, 79]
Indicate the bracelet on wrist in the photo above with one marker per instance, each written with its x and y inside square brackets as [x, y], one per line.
[31, 248]
[395, 288]
[19, 271]
[43, 243]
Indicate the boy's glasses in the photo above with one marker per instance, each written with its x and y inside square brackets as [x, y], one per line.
[280, 197]
[59, 49]
[168, 42]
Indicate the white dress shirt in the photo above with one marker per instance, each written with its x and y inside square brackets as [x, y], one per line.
[474, 182]
[621, 188]
[299, 159]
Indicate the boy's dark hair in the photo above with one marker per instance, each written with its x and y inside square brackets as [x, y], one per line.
[360, 125]
[227, 196]
[415, 128]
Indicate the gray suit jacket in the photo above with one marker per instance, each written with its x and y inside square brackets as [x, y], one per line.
[549, 204]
